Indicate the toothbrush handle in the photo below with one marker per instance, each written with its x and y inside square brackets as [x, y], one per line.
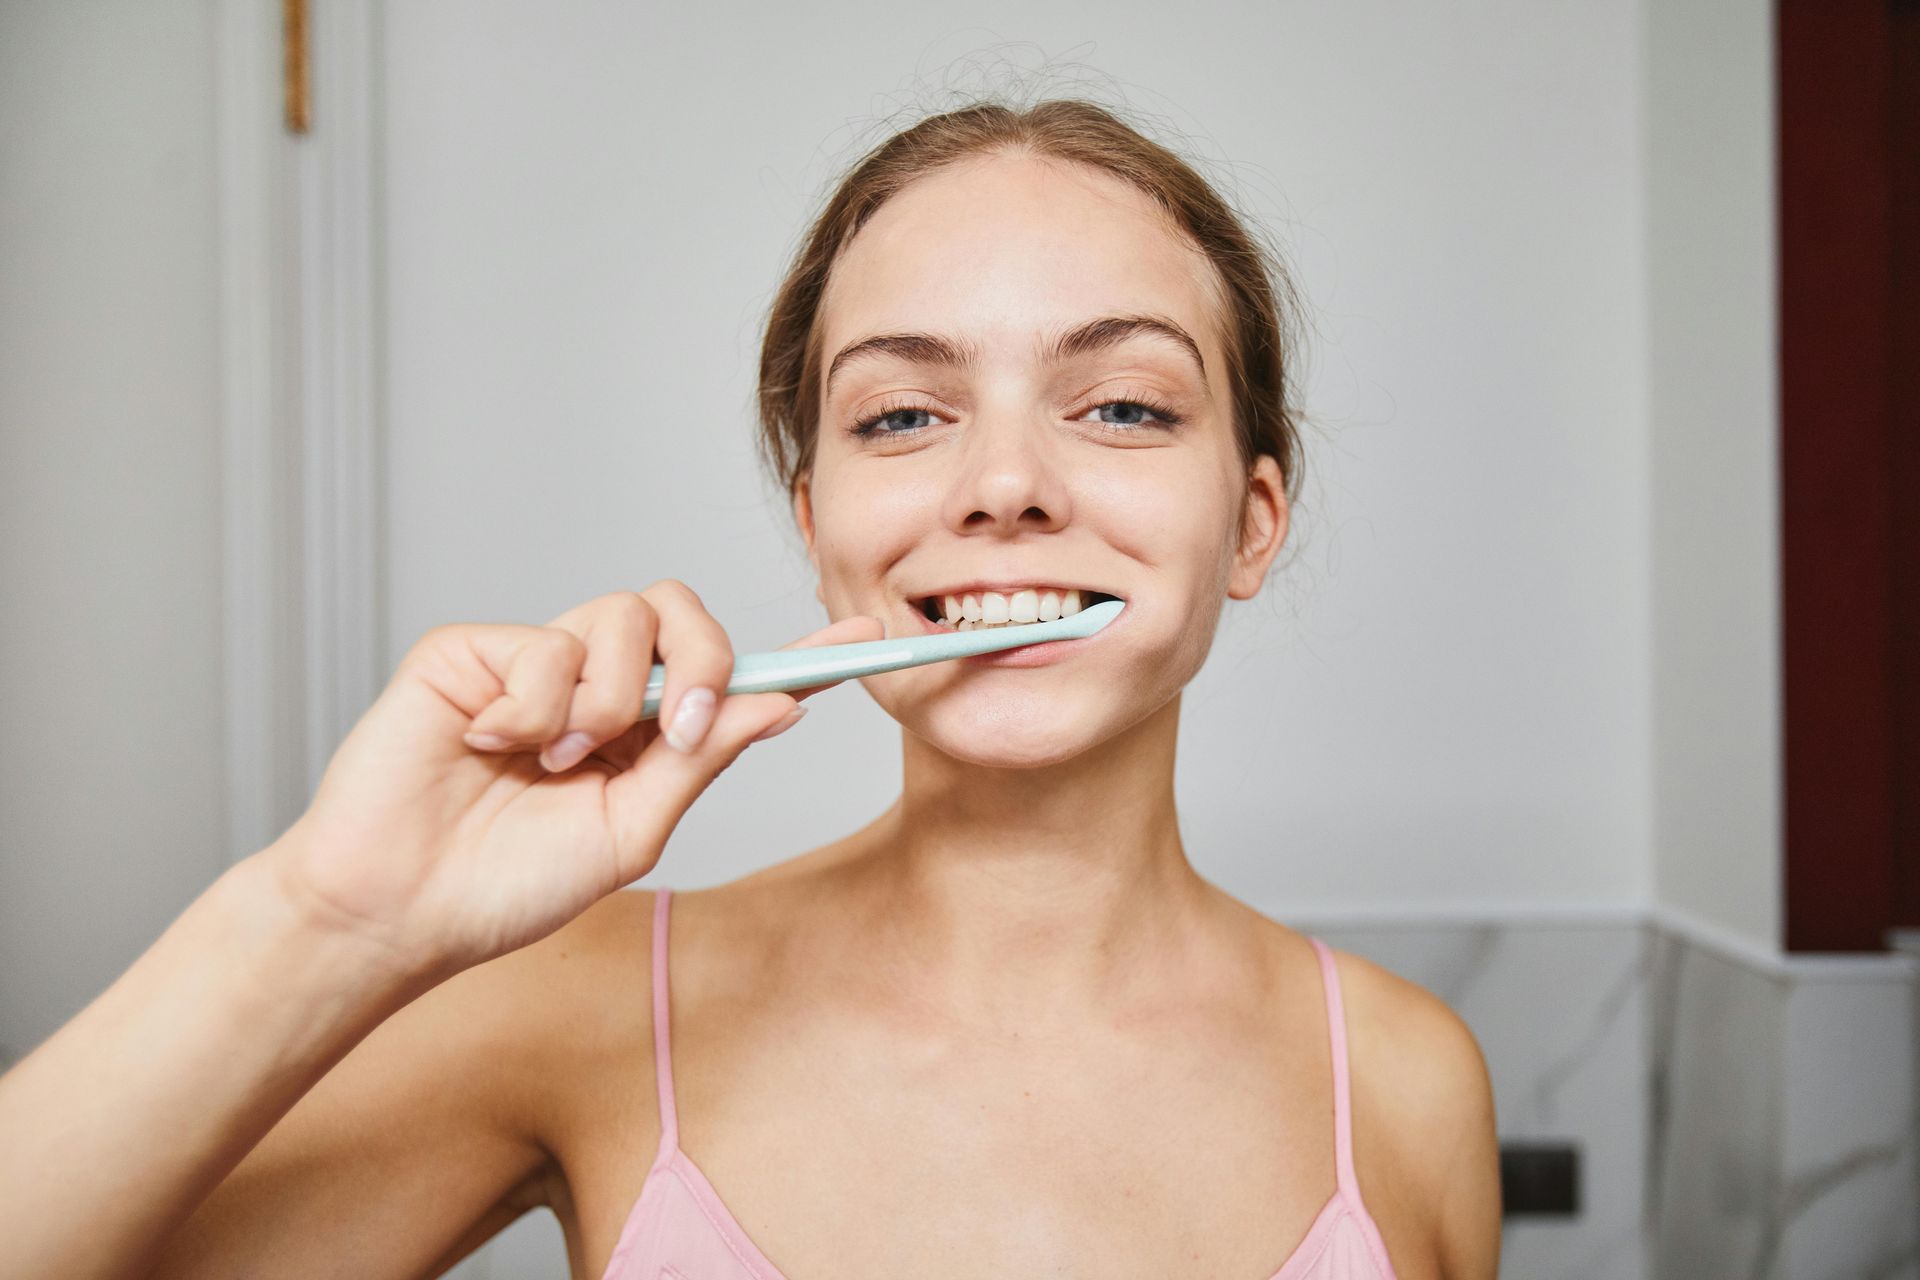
[785, 670]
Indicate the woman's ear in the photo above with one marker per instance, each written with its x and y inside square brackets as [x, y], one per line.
[1262, 530]
[803, 510]
[803, 517]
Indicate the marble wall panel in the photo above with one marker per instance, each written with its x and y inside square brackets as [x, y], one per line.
[1714, 1139]
[1848, 1203]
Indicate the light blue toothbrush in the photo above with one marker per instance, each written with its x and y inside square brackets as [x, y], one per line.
[785, 670]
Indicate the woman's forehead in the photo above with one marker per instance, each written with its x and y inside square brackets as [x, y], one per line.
[1001, 249]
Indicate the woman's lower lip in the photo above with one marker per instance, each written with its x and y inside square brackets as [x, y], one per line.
[1028, 655]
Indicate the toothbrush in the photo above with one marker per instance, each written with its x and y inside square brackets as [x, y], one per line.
[787, 669]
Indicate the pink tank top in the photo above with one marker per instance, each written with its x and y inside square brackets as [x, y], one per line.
[680, 1229]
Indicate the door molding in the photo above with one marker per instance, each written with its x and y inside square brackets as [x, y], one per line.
[301, 452]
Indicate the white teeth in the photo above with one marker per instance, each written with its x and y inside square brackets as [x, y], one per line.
[1000, 608]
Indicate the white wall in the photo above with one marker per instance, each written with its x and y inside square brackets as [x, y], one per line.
[112, 803]
[1714, 410]
[1444, 703]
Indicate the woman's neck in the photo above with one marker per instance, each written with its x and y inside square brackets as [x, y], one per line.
[1005, 895]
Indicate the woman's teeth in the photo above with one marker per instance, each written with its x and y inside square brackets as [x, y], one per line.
[993, 609]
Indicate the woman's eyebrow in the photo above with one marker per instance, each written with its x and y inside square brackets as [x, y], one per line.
[1082, 339]
[1110, 331]
[915, 348]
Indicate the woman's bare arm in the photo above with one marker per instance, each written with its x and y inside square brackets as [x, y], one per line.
[438, 1128]
[125, 1119]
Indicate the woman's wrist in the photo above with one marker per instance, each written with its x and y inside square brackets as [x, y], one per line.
[300, 950]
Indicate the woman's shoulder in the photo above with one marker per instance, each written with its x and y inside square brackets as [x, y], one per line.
[1402, 1017]
[1424, 1131]
[597, 959]
[594, 962]
[585, 991]
[572, 1010]
[1424, 1068]
[1394, 1026]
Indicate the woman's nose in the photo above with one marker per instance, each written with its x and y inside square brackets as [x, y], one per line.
[1009, 482]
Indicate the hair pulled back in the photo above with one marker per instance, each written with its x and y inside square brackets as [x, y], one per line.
[1257, 292]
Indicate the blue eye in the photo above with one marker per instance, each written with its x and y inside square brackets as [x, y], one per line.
[1132, 413]
[888, 422]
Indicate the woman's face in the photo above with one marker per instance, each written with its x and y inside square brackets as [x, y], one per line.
[1025, 389]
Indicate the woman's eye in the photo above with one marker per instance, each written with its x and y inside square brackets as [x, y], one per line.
[892, 422]
[1133, 413]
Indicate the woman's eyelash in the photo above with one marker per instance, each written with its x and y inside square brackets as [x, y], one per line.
[870, 425]
[1165, 412]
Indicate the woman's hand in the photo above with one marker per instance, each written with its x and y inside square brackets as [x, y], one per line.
[459, 820]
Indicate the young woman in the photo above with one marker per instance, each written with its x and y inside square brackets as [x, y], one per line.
[1025, 358]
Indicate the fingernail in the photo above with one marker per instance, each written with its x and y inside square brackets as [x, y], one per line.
[691, 720]
[566, 753]
[780, 726]
[485, 741]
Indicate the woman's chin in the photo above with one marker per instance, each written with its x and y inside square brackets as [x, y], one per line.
[1001, 755]
[1013, 737]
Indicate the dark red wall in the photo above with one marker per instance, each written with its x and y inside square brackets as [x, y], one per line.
[1904, 409]
[1850, 563]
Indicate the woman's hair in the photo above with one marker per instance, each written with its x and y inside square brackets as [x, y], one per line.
[1260, 301]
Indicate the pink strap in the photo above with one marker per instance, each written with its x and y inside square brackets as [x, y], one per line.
[662, 1032]
[1342, 1098]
